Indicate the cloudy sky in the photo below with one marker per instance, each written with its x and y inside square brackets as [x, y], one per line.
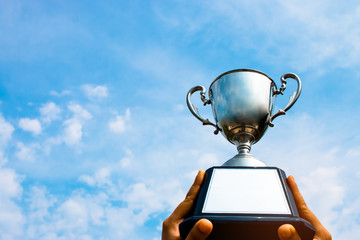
[96, 141]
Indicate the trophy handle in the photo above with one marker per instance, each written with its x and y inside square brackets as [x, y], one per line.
[293, 97]
[195, 111]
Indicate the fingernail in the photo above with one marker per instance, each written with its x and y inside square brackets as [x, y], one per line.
[200, 172]
[204, 226]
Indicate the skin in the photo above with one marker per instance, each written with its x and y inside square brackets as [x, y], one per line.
[203, 227]
[288, 232]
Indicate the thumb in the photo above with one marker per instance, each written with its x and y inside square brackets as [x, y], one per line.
[288, 232]
[201, 230]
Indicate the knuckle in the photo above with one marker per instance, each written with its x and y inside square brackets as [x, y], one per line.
[304, 207]
[189, 199]
[166, 223]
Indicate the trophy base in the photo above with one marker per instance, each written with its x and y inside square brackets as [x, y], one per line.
[246, 203]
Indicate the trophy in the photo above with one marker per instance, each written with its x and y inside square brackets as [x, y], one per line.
[243, 198]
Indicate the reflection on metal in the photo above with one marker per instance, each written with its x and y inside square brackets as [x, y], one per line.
[242, 102]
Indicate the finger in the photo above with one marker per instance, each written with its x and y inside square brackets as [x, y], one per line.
[201, 230]
[288, 232]
[304, 211]
[194, 189]
[186, 206]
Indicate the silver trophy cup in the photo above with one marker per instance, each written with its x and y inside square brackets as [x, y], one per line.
[242, 102]
[244, 198]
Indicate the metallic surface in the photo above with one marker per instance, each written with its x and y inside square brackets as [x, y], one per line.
[242, 101]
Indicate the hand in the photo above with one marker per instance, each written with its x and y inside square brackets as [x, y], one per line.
[288, 232]
[201, 229]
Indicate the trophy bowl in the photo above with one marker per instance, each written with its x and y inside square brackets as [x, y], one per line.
[242, 102]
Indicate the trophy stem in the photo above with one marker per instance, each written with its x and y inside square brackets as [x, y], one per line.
[244, 158]
[244, 148]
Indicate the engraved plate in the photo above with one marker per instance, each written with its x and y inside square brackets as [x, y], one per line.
[246, 191]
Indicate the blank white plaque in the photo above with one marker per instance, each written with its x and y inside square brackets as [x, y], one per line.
[248, 191]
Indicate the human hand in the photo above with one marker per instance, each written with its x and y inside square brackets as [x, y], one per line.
[288, 232]
[201, 229]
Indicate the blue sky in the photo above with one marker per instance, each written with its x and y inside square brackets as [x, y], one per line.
[96, 141]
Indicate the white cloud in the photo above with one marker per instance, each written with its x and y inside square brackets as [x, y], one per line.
[208, 160]
[124, 216]
[73, 127]
[142, 201]
[88, 180]
[70, 218]
[39, 203]
[62, 93]
[100, 178]
[72, 132]
[95, 92]
[353, 152]
[3, 159]
[49, 112]
[78, 214]
[164, 196]
[136, 195]
[324, 191]
[74, 215]
[347, 225]
[10, 181]
[125, 162]
[30, 125]
[26, 153]
[11, 220]
[119, 124]
[79, 111]
[275, 29]
[180, 108]
[6, 130]
[11, 217]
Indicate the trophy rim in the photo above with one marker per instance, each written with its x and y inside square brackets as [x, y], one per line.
[241, 70]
